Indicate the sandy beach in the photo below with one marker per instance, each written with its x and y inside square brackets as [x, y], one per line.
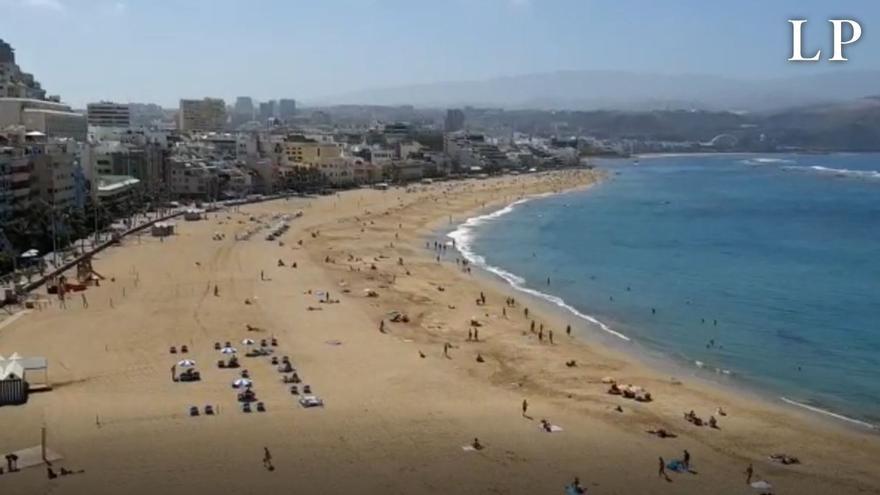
[399, 403]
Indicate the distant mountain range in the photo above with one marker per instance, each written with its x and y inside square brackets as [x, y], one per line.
[613, 90]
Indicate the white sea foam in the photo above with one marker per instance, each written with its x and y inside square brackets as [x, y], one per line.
[766, 161]
[463, 236]
[830, 413]
[843, 172]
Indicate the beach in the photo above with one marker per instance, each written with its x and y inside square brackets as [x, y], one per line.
[399, 402]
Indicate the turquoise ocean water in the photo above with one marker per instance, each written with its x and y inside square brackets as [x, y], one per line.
[764, 270]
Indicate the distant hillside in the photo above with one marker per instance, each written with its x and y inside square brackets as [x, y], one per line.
[612, 90]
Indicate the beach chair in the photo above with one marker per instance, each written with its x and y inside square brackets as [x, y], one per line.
[261, 407]
[184, 349]
[263, 343]
[217, 346]
[294, 390]
[209, 410]
[274, 342]
[246, 407]
[285, 359]
[245, 374]
[193, 411]
[172, 350]
[274, 360]
[228, 344]
[307, 389]
[221, 364]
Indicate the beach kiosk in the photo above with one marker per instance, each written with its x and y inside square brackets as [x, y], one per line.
[19, 376]
[13, 388]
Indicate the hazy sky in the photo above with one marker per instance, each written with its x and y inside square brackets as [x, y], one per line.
[162, 50]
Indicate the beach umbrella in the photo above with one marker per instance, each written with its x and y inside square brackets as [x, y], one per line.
[228, 350]
[30, 253]
[248, 342]
[186, 363]
[241, 382]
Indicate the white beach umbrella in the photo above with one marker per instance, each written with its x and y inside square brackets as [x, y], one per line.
[228, 350]
[248, 342]
[186, 363]
[30, 253]
[241, 382]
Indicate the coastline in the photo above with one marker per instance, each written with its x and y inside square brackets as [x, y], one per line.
[463, 234]
[397, 409]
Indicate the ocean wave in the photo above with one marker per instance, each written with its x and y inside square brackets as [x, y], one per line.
[766, 161]
[463, 236]
[832, 414]
[841, 172]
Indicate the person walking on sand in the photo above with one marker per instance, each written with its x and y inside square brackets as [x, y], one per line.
[525, 407]
[526, 312]
[550, 336]
[267, 459]
[382, 326]
[216, 291]
[750, 471]
[262, 275]
[662, 471]
[470, 335]
[476, 335]
[532, 328]
[568, 330]
[446, 349]
[541, 334]
[687, 460]
[85, 302]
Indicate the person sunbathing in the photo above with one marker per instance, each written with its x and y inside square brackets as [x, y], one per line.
[476, 444]
[546, 426]
[662, 433]
[614, 389]
[713, 423]
[784, 459]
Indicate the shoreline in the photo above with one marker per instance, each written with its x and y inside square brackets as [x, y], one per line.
[463, 234]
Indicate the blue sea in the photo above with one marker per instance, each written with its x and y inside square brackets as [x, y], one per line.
[761, 270]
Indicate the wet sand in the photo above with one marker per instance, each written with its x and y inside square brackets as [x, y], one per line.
[394, 422]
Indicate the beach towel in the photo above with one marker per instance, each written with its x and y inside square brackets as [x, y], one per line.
[677, 465]
[572, 490]
[468, 448]
[761, 485]
[553, 428]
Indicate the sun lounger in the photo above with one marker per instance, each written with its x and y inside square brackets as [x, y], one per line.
[307, 389]
[274, 342]
[217, 346]
[193, 411]
[308, 401]
[172, 350]
[246, 407]
[221, 364]
[209, 410]
[274, 360]
[184, 349]
[263, 343]
[294, 389]
[261, 407]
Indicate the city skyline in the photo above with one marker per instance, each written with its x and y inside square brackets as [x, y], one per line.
[159, 52]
